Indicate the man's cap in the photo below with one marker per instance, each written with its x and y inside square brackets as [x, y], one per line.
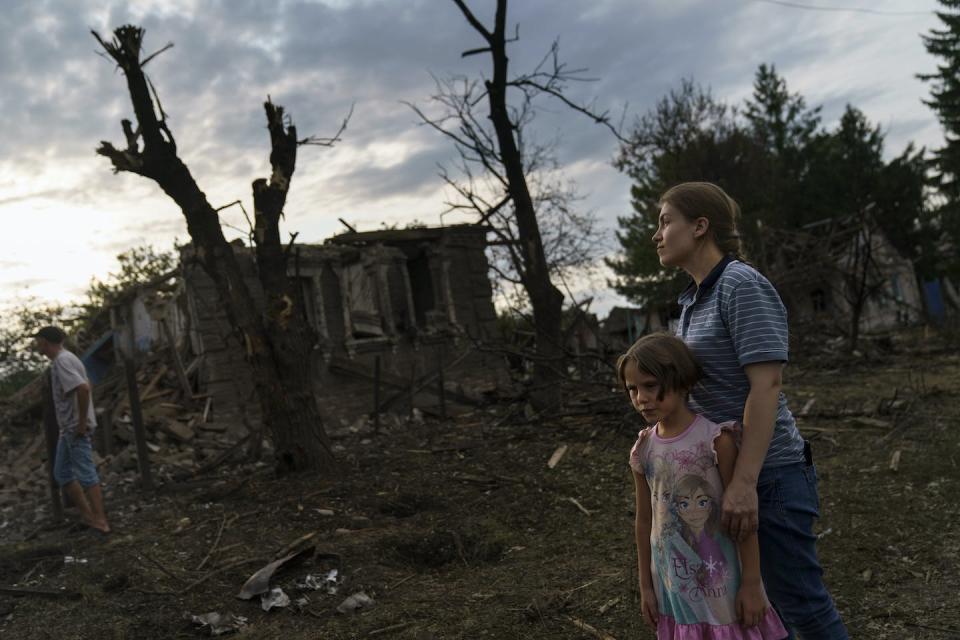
[51, 334]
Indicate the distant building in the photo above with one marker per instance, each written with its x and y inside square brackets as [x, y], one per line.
[820, 269]
[624, 325]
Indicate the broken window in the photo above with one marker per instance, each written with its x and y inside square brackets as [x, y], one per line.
[364, 309]
[308, 296]
[421, 285]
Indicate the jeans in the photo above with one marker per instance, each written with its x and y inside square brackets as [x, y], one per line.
[791, 573]
[74, 461]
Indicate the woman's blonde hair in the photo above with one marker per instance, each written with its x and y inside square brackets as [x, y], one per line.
[706, 200]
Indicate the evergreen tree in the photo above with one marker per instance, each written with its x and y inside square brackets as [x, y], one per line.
[783, 125]
[944, 99]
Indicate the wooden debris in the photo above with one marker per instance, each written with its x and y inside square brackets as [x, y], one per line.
[177, 430]
[152, 385]
[40, 593]
[401, 581]
[583, 626]
[577, 504]
[223, 525]
[156, 394]
[609, 604]
[206, 410]
[390, 629]
[259, 582]
[872, 422]
[557, 456]
[805, 411]
[895, 461]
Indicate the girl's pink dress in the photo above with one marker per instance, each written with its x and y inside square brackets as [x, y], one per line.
[696, 571]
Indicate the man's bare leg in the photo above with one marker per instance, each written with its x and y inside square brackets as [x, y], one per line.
[79, 500]
[95, 499]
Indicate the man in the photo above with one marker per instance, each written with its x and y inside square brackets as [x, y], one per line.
[73, 401]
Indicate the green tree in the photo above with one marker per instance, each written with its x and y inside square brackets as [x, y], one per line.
[944, 43]
[783, 126]
[848, 174]
[136, 266]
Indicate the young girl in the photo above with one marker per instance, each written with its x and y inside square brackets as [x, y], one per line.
[692, 585]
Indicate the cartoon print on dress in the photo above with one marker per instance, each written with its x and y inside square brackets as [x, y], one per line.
[661, 499]
[703, 562]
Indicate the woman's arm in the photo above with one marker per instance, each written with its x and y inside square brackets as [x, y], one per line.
[751, 600]
[740, 513]
[644, 521]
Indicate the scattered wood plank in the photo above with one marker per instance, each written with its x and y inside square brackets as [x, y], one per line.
[895, 461]
[206, 410]
[156, 393]
[40, 593]
[557, 456]
[401, 581]
[394, 627]
[583, 626]
[152, 385]
[213, 464]
[579, 506]
[609, 604]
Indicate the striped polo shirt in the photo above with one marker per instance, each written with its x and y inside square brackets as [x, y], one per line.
[735, 318]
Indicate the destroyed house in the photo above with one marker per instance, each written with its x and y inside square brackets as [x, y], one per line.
[815, 270]
[410, 304]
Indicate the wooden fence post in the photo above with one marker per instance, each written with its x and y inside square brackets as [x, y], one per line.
[376, 394]
[136, 415]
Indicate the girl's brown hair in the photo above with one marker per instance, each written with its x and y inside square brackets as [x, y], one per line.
[665, 357]
[706, 200]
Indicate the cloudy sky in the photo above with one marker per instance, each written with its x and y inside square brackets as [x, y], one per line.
[66, 215]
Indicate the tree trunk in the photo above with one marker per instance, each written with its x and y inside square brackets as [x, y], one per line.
[296, 423]
[278, 346]
[545, 298]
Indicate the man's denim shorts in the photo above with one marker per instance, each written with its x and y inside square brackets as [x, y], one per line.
[75, 461]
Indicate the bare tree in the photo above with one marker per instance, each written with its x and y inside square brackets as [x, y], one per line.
[278, 338]
[498, 163]
[862, 270]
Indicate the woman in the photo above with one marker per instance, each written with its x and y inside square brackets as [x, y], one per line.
[734, 321]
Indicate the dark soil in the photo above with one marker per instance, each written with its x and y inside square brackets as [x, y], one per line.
[457, 529]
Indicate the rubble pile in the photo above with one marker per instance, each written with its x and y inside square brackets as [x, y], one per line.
[182, 434]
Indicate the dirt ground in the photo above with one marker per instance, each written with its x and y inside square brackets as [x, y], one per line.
[458, 529]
